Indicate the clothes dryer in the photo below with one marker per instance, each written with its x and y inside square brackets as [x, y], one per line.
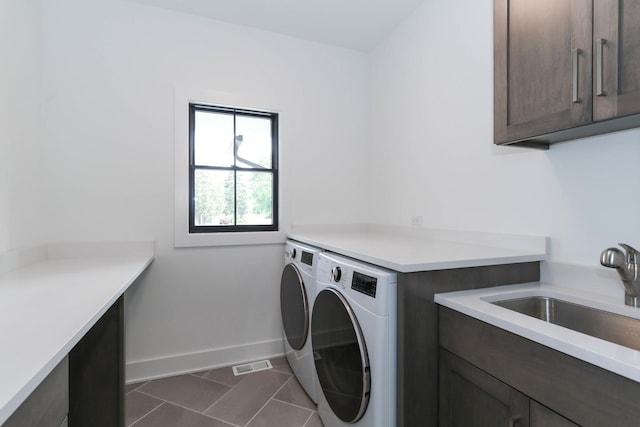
[353, 332]
[297, 293]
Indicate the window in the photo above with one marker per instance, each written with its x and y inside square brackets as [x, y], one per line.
[233, 170]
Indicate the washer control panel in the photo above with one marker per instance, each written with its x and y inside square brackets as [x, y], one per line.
[306, 258]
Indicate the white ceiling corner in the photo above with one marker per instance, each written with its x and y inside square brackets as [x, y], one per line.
[354, 24]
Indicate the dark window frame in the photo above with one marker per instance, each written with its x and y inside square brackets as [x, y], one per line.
[197, 229]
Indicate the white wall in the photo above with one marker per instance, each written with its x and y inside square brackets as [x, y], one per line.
[432, 150]
[21, 210]
[110, 69]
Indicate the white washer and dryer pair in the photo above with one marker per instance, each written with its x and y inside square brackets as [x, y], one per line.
[353, 332]
[297, 293]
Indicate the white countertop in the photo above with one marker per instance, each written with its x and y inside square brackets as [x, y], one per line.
[613, 357]
[48, 306]
[411, 249]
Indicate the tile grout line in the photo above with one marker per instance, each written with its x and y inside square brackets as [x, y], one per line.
[210, 416]
[184, 407]
[308, 419]
[139, 419]
[219, 419]
[137, 387]
[233, 386]
[293, 378]
[268, 400]
[152, 395]
[214, 381]
[294, 404]
[162, 401]
[218, 400]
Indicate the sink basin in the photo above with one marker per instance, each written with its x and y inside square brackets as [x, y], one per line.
[601, 324]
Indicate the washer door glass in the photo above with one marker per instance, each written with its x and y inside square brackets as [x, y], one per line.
[340, 354]
[294, 307]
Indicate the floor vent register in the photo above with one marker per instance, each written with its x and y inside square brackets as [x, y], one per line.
[248, 368]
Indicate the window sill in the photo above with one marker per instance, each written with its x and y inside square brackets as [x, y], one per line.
[187, 240]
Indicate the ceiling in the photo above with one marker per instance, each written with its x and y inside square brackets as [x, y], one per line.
[354, 24]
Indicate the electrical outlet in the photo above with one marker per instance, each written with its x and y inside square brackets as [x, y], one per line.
[416, 220]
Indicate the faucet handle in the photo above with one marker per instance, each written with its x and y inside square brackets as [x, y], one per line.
[631, 255]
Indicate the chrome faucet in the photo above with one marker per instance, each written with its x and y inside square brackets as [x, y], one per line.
[628, 269]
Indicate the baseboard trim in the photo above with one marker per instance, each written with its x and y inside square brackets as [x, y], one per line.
[144, 370]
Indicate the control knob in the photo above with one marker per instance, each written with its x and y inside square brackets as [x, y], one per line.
[336, 274]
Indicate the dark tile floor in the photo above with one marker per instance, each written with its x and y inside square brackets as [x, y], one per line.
[217, 398]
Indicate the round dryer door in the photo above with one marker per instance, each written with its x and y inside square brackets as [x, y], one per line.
[294, 307]
[340, 354]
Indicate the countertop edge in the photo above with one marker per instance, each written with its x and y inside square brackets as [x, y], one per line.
[612, 357]
[140, 263]
[507, 255]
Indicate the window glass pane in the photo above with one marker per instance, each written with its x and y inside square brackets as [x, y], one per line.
[213, 197]
[213, 139]
[253, 137]
[255, 198]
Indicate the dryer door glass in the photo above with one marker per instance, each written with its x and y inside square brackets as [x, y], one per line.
[340, 356]
[294, 307]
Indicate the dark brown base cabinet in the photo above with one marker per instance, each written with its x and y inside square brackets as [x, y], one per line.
[48, 404]
[490, 377]
[88, 385]
[469, 397]
[418, 331]
[96, 373]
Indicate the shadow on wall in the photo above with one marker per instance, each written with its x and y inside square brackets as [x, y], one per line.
[591, 190]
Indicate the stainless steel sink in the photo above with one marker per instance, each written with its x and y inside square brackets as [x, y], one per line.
[601, 324]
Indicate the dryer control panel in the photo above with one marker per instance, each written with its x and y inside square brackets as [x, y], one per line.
[364, 284]
[370, 286]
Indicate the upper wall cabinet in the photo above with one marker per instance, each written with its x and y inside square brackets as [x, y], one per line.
[616, 40]
[565, 69]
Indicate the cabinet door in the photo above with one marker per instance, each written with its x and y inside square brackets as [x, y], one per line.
[48, 404]
[616, 47]
[542, 67]
[469, 397]
[96, 373]
[541, 416]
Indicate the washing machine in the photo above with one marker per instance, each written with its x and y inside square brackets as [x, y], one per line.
[297, 293]
[353, 333]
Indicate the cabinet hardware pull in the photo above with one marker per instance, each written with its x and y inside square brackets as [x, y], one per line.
[599, 66]
[513, 422]
[576, 56]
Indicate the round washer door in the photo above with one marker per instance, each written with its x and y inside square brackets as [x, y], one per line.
[340, 354]
[294, 307]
